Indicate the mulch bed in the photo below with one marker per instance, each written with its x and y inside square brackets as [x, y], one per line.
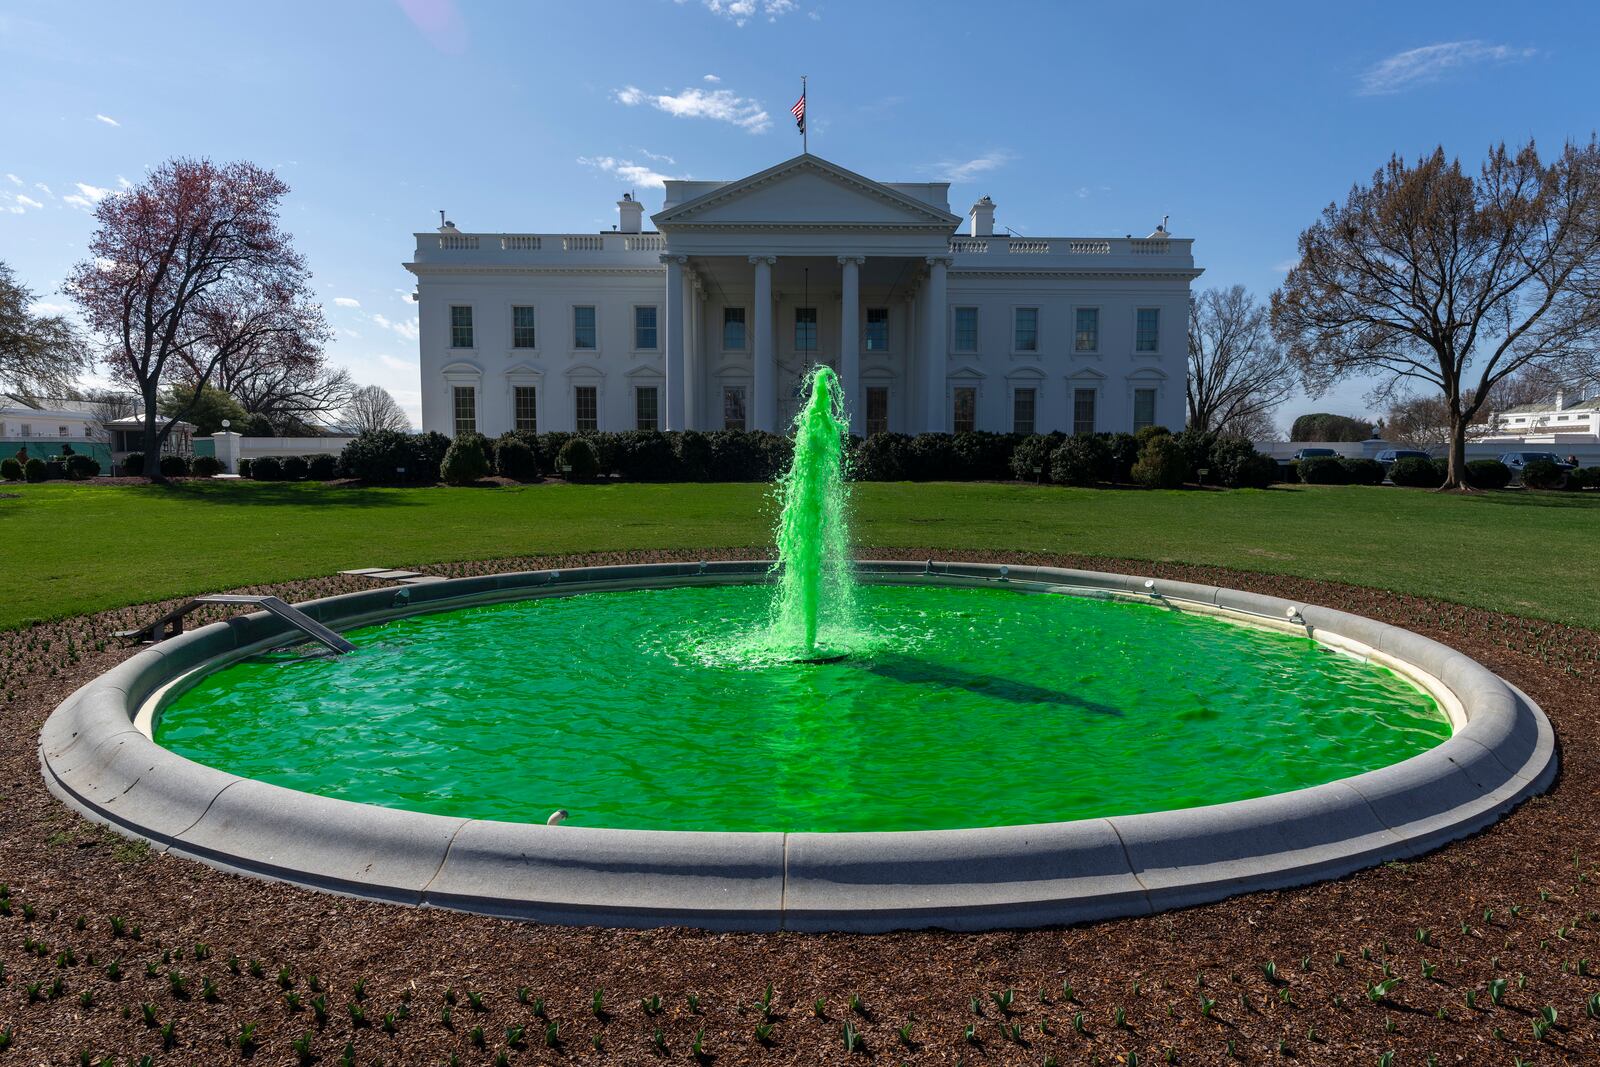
[1510, 915]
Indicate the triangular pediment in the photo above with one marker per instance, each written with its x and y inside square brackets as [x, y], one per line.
[805, 191]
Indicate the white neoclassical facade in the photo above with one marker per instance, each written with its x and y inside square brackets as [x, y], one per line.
[710, 321]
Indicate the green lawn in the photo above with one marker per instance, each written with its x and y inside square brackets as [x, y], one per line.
[71, 549]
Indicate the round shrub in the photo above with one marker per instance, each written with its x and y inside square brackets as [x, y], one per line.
[515, 458]
[464, 461]
[1257, 472]
[1584, 478]
[1030, 460]
[79, 467]
[645, 456]
[133, 464]
[1362, 471]
[1415, 472]
[881, 458]
[776, 451]
[929, 457]
[425, 457]
[979, 455]
[295, 468]
[1123, 450]
[1162, 463]
[1323, 470]
[736, 456]
[1198, 447]
[206, 466]
[577, 461]
[322, 467]
[267, 469]
[1082, 459]
[244, 468]
[1144, 435]
[174, 466]
[35, 470]
[10, 469]
[1231, 463]
[1488, 474]
[1542, 474]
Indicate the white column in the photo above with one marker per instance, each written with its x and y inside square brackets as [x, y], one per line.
[911, 359]
[674, 327]
[850, 339]
[935, 365]
[694, 370]
[227, 450]
[764, 405]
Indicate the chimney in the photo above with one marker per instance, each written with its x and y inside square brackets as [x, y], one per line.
[1561, 400]
[631, 212]
[982, 217]
[445, 225]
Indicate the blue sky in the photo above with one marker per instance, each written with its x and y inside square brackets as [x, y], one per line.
[1241, 121]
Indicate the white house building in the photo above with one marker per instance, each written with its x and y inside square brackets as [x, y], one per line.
[710, 321]
[1560, 421]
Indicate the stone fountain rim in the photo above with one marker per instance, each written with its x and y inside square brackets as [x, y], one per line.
[97, 759]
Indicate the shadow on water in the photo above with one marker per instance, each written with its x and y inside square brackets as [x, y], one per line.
[911, 671]
[300, 494]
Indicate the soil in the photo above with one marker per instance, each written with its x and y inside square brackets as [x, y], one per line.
[1482, 935]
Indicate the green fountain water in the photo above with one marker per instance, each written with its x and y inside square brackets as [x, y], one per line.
[815, 594]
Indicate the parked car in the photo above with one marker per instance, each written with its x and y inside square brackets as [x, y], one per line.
[1311, 453]
[1387, 457]
[1516, 461]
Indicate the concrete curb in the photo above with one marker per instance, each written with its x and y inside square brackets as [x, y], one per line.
[97, 761]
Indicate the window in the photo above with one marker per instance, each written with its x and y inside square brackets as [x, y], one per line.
[644, 327]
[805, 329]
[27, 429]
[733, 329]
[965, 409]
[733, 407]
[522, 334]
[644, 408]
[1147, 331]
[583, 327]
[525, 408]
[1087, 330]
[877, 409]
[1083, 411]
[62, 430]
[1144, 408]
[877, 329]
[586, 407]
[1022, 408]
[1025, 330]
[465, 408]
[966, 330]
[460, 326]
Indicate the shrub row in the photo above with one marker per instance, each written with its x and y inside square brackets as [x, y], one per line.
[74, 466]
[317, 468]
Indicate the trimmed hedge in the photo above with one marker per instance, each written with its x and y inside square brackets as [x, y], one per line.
[1082, 459]
[1488, 474]
[1323, 470]
[10, 469]
[578, 460]
[516, 456]
[322, 467]
[174, 467]
[1542, 474]
[1416, 473]
[389, 457]
[244, 468]
[133, 465]
[464, 462]
[295, 468]
[35, 470]
[267, 469]
[206, 466]
[1361, 471]
[1162, 463]
[80, 467]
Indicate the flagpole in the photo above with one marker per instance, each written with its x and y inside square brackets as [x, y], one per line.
[805, 127]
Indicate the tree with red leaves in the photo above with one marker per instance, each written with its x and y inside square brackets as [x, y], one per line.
[188, 270]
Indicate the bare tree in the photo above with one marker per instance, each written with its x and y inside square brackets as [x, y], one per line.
[1418, 421]
[186, 270]
[372, 408]
[1237, 372]
[39, 354]
[284, 378]
[107, 406]
[1435, 280]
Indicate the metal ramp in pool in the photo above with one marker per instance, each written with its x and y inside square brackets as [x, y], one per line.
[171, 624]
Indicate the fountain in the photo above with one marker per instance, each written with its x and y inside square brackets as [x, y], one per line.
[813, 568]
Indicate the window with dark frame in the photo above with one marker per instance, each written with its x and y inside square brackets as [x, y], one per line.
[964, 405]
[645, 411]
[583, 332]
[522, 331]
[805, 329]
[966, 330]
[877, 409]
[460, 326]
[586, 407]
[1023, 403]
[464, 408]
[1144, 409]
[1147, 331]
[733, 329]
[733, 407]
[1087, 330]
[644, 327]
[877, 329]
[525, 408]
[1083, 411]
[1025, 330]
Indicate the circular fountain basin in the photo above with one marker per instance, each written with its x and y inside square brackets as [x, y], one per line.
[977, 758]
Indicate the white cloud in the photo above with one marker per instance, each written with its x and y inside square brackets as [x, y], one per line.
[43, 188]
[123, 183]
[347, 301]
[959, 171]
[656, 157]
[406, 328]
[18, 203]
[722, 105]
[108, 120]
[76, 201]
[93, 192]
[712, 78]
[635, 174]
[45, 307]
[28, 201]
[13, 179]
[741, 11]
[1420, 66]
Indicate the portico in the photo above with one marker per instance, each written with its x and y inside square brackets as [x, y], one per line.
[710, 322]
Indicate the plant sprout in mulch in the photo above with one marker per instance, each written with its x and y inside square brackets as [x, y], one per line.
[1482, 952]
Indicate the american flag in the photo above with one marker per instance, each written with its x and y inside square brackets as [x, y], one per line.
[799, 113]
